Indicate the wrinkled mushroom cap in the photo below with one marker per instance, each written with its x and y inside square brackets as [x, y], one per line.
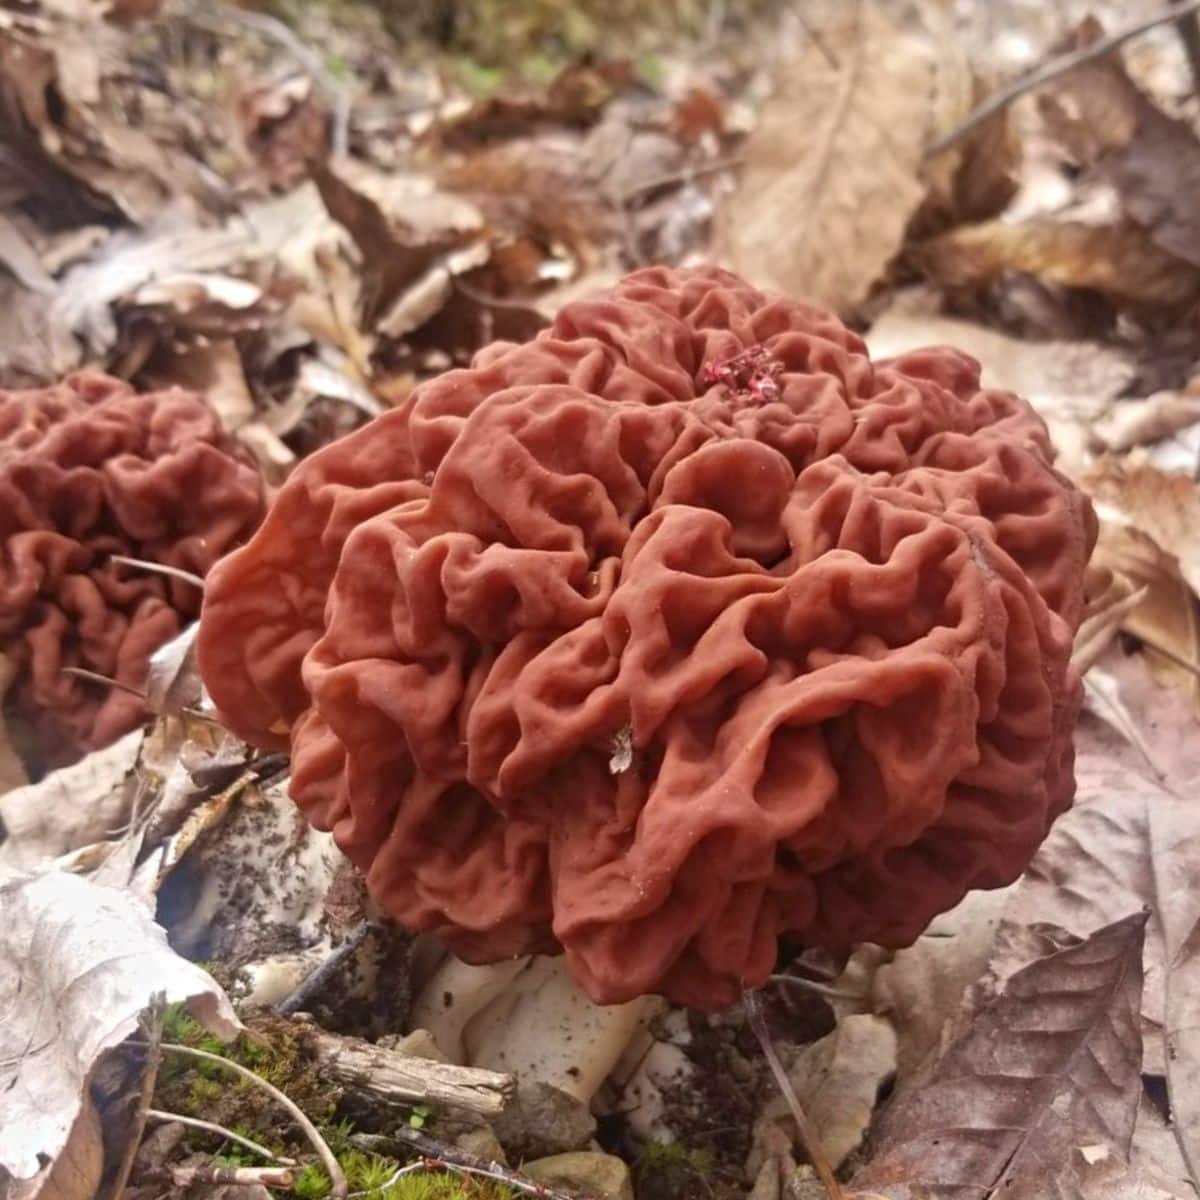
[678, 628]
[88, 469]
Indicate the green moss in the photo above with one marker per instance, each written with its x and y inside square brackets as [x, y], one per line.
[211, 1092]
[444, 1185]
[273, 1051]
[671, 1171]
[311, 1184]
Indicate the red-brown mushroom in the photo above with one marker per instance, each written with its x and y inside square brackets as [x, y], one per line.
[678, 628]
[90, 469]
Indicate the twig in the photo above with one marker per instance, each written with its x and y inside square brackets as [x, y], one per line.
[96, 677]
[339, 1187]
[821, 989]
[808, 1135]
[312, 984]
[157, 1114]
[158, 569]
[437, 1156]
[184, 1177]
[151, 1026]
[686, 175]
[814, 36]
[1056, 67]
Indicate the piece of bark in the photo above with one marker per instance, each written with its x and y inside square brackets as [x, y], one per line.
[388, 1075]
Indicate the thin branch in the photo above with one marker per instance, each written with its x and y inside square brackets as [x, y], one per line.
[339, 1186]
[437, 1156]
[157, 1114]
[158, 569]
[96, 677]
[687, 174]
[808, 1135]
[1057, 67]
[185, 1177]
[151, 1026]
[314, 982]
[821, 989]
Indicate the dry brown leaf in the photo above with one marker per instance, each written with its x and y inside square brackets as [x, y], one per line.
[70, 84]
[408, 232]
[173, 682]
[1153, 160]
[922, 987]
[1120, 261]
[832, 171]
[1050, 1067]
[1137, 760]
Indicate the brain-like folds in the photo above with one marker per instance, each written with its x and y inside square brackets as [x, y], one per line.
[679, 628]
[91, 469]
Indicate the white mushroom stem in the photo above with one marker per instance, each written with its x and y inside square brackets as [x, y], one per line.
[529, 1018]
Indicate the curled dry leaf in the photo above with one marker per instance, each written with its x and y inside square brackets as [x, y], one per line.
[1051, 1066]
[79, 964]
[1166, 618]
[1111, 598]
[1140, 422]
[832, 171]
[173, 683]
[87, 802]
[1118, 260]
[1164, 506]
[837, 1080]
[1150, 535]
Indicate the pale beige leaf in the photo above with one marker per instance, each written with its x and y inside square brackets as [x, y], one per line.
[1139, 422]
[79, 963]
[837, 1080]
[86, 802]
[1166, 507]
[1166, 618]
[1111, 599]
[832, 171]
[76, 1173]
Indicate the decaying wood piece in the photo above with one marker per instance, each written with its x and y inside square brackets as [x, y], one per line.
[391, 1076]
